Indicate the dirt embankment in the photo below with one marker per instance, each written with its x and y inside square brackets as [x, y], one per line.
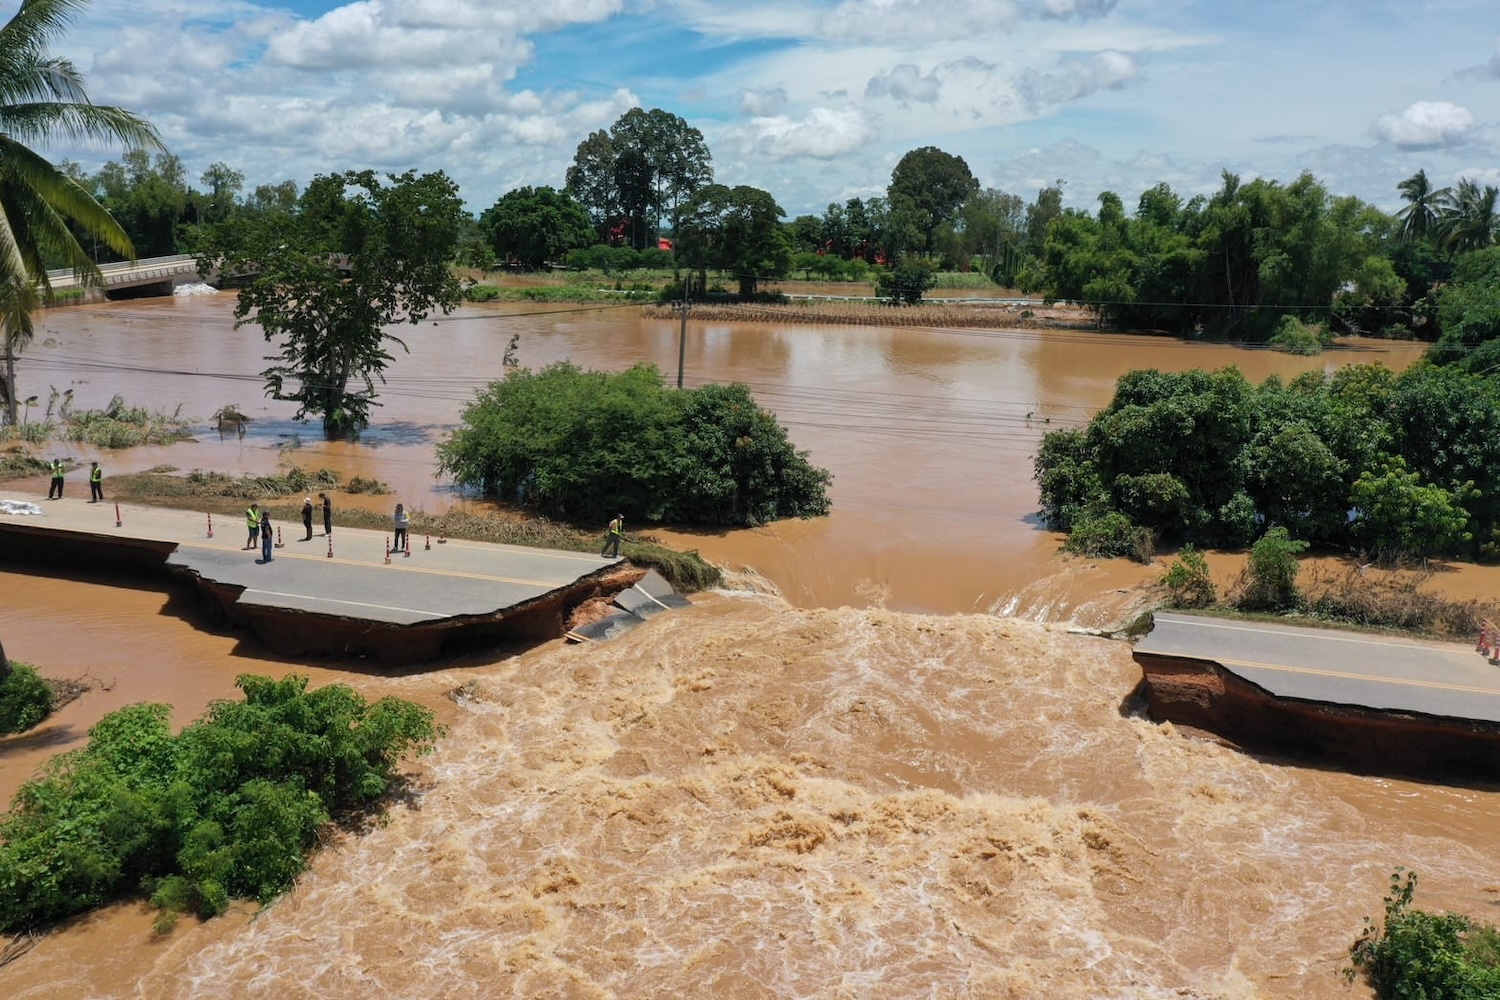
[1205, 696]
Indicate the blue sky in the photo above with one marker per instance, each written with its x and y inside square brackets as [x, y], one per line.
[816, 100]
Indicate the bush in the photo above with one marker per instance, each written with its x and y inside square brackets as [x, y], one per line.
[25, 699]
[1426, 955]
[481, 293]
[1107, 533]
[228, 808]
[587, 445]
[1271, 573]
[906, 282]
[1296, 337]
[1187, 581]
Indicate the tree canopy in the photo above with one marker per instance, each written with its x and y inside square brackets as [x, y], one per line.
[933, 185]
[532, 226]
[647, 164]
[325, 282]
[1359, 457]
[736, 230]
[586, 445]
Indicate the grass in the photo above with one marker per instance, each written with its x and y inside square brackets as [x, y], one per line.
[18, 463]
[1391, 601]
[222, 494]
[559, 293]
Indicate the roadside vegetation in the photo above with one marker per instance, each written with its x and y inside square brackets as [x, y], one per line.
[1273, 583]
[585, 445]
[1415, 955]
[229, 808]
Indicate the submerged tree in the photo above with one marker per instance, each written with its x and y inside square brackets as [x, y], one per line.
[42, 99]
[323, 285]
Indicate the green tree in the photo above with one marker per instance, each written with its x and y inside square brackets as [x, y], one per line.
[357, 257]
[1415, 955]
[906, 281]
[1468, 312]
[736, 230]
[934, 184]
[587, 445]
[648, 163]
[1398, 516]
[1469, 221]
[535, 225]
[1425, 205]
[43, 99]
[224, 184]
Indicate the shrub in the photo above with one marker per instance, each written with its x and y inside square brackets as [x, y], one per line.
[481, 293]
[1271, 573]
[1296, 337]
[228, 808]
[586, 445]
[1187, 581]
[1426, 955]
[906, 281]
[1107, 533]
[25, 699]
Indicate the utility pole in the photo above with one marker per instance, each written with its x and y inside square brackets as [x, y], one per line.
[682, 336]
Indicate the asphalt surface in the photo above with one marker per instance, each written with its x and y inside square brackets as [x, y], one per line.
[449, 580]
[1338, 667]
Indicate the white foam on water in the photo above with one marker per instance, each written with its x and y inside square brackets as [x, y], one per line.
[190, 288]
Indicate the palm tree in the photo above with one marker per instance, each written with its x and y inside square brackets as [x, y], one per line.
[1424, 205]
[42, 99]
[1470, 221]
[19, 298]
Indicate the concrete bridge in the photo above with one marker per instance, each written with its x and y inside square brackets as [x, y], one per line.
[138, 279]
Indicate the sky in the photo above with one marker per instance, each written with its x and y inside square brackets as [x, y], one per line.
[815, 100]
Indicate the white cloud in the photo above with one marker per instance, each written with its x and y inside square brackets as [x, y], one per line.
[1081, 9]
[822, 135]
[905, 83]
[908, 21]
[763, 102]
[1425, 125]
[1108, 70]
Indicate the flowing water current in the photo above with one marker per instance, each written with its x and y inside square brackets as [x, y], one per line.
[907, 778]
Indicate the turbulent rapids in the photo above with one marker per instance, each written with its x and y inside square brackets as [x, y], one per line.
[746, 800]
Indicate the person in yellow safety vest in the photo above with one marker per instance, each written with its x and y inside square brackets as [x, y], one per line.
[252, 526]
[613, 536]
[55, 488]
[96, 483]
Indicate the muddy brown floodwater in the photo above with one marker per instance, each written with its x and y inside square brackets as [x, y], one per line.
[892, 786]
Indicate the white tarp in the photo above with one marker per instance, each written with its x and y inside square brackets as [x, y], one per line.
[20, 507]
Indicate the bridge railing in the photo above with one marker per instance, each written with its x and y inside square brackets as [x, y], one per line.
[145, 268]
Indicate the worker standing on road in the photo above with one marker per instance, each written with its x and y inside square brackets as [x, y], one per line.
[96, 483]
[252, 526]
[613, 536]
[403, 521]
[265, 536]
[307, 517]
[55, 488]
[327, 513]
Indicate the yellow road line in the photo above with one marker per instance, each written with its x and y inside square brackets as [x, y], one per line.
[1409, 682]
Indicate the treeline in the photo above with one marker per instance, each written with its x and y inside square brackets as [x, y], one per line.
[1245, 261]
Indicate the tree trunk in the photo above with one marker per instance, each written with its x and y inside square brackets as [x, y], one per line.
[4, 664]
[11, 417]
